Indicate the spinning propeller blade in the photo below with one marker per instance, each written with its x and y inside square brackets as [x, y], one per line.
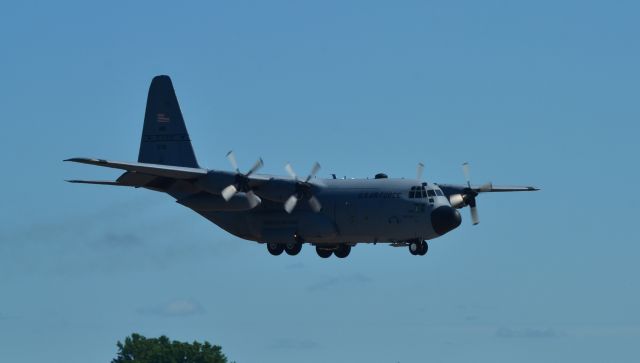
[290, 171]
[241, 183]
[315, 204]
[232, 159]
[467, 173]
[470, 194]
[487, 187]
[229, 192]
[314, 171]
[257, 165]
[420, 171]
[303, 190]
[474, 215]
[253, 199]
[290, 203]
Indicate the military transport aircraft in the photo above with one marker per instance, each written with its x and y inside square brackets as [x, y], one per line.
[286, 212]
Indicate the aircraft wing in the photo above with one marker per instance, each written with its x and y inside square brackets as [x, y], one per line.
[167, 171]
[161, 176]
[513, 188]
[450, 189]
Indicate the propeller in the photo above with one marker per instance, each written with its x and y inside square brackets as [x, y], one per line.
[241, 182]
[420, 171]
[303, 190]
[470, 193]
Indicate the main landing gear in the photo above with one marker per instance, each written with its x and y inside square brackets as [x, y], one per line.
[291, 249]
[340, 251]
[275, 249]
[418, 248]
[323, 252]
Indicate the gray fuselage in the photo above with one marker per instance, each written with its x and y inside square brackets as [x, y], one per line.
[353, 211]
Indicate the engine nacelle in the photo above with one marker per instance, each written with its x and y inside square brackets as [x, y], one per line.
[214, 183]
[457, 201]
[276, 190]
[205, 202]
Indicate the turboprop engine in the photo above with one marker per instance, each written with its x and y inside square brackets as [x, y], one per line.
[457, 201]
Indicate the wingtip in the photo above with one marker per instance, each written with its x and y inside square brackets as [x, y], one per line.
[76, 160]
[88, 160]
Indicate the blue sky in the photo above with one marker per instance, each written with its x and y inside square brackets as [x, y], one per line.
[542, 93]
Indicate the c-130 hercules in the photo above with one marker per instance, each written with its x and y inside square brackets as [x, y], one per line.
[287, 212]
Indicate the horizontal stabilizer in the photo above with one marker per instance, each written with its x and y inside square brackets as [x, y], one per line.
[99, 182]
[174, 172]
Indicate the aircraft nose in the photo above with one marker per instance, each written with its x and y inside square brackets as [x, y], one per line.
[445, 219]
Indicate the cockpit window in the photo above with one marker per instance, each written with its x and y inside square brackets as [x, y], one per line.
[431, 193]
[439, 192]
[418, 192]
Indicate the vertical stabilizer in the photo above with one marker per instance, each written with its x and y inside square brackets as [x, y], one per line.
[165, 139]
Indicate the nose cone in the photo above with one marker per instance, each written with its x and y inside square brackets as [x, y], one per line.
[445, 219]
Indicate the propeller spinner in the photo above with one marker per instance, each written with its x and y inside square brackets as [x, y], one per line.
[303, 190]
[241, 183]
[470, 194]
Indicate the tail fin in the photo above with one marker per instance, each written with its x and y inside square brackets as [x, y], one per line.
[165, 139]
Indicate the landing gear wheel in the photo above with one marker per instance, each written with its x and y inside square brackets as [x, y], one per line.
[323, 252]
[293, 249]
[414, 247]
[424, 247]
[275, 248]
[342, 251]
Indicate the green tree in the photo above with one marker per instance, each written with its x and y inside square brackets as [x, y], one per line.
[138, 349]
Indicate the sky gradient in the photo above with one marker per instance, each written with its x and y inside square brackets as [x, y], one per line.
[538, 93]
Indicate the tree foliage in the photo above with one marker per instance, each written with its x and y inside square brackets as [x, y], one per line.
[138, 349]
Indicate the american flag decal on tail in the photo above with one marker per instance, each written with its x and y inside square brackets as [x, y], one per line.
[163, 117]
